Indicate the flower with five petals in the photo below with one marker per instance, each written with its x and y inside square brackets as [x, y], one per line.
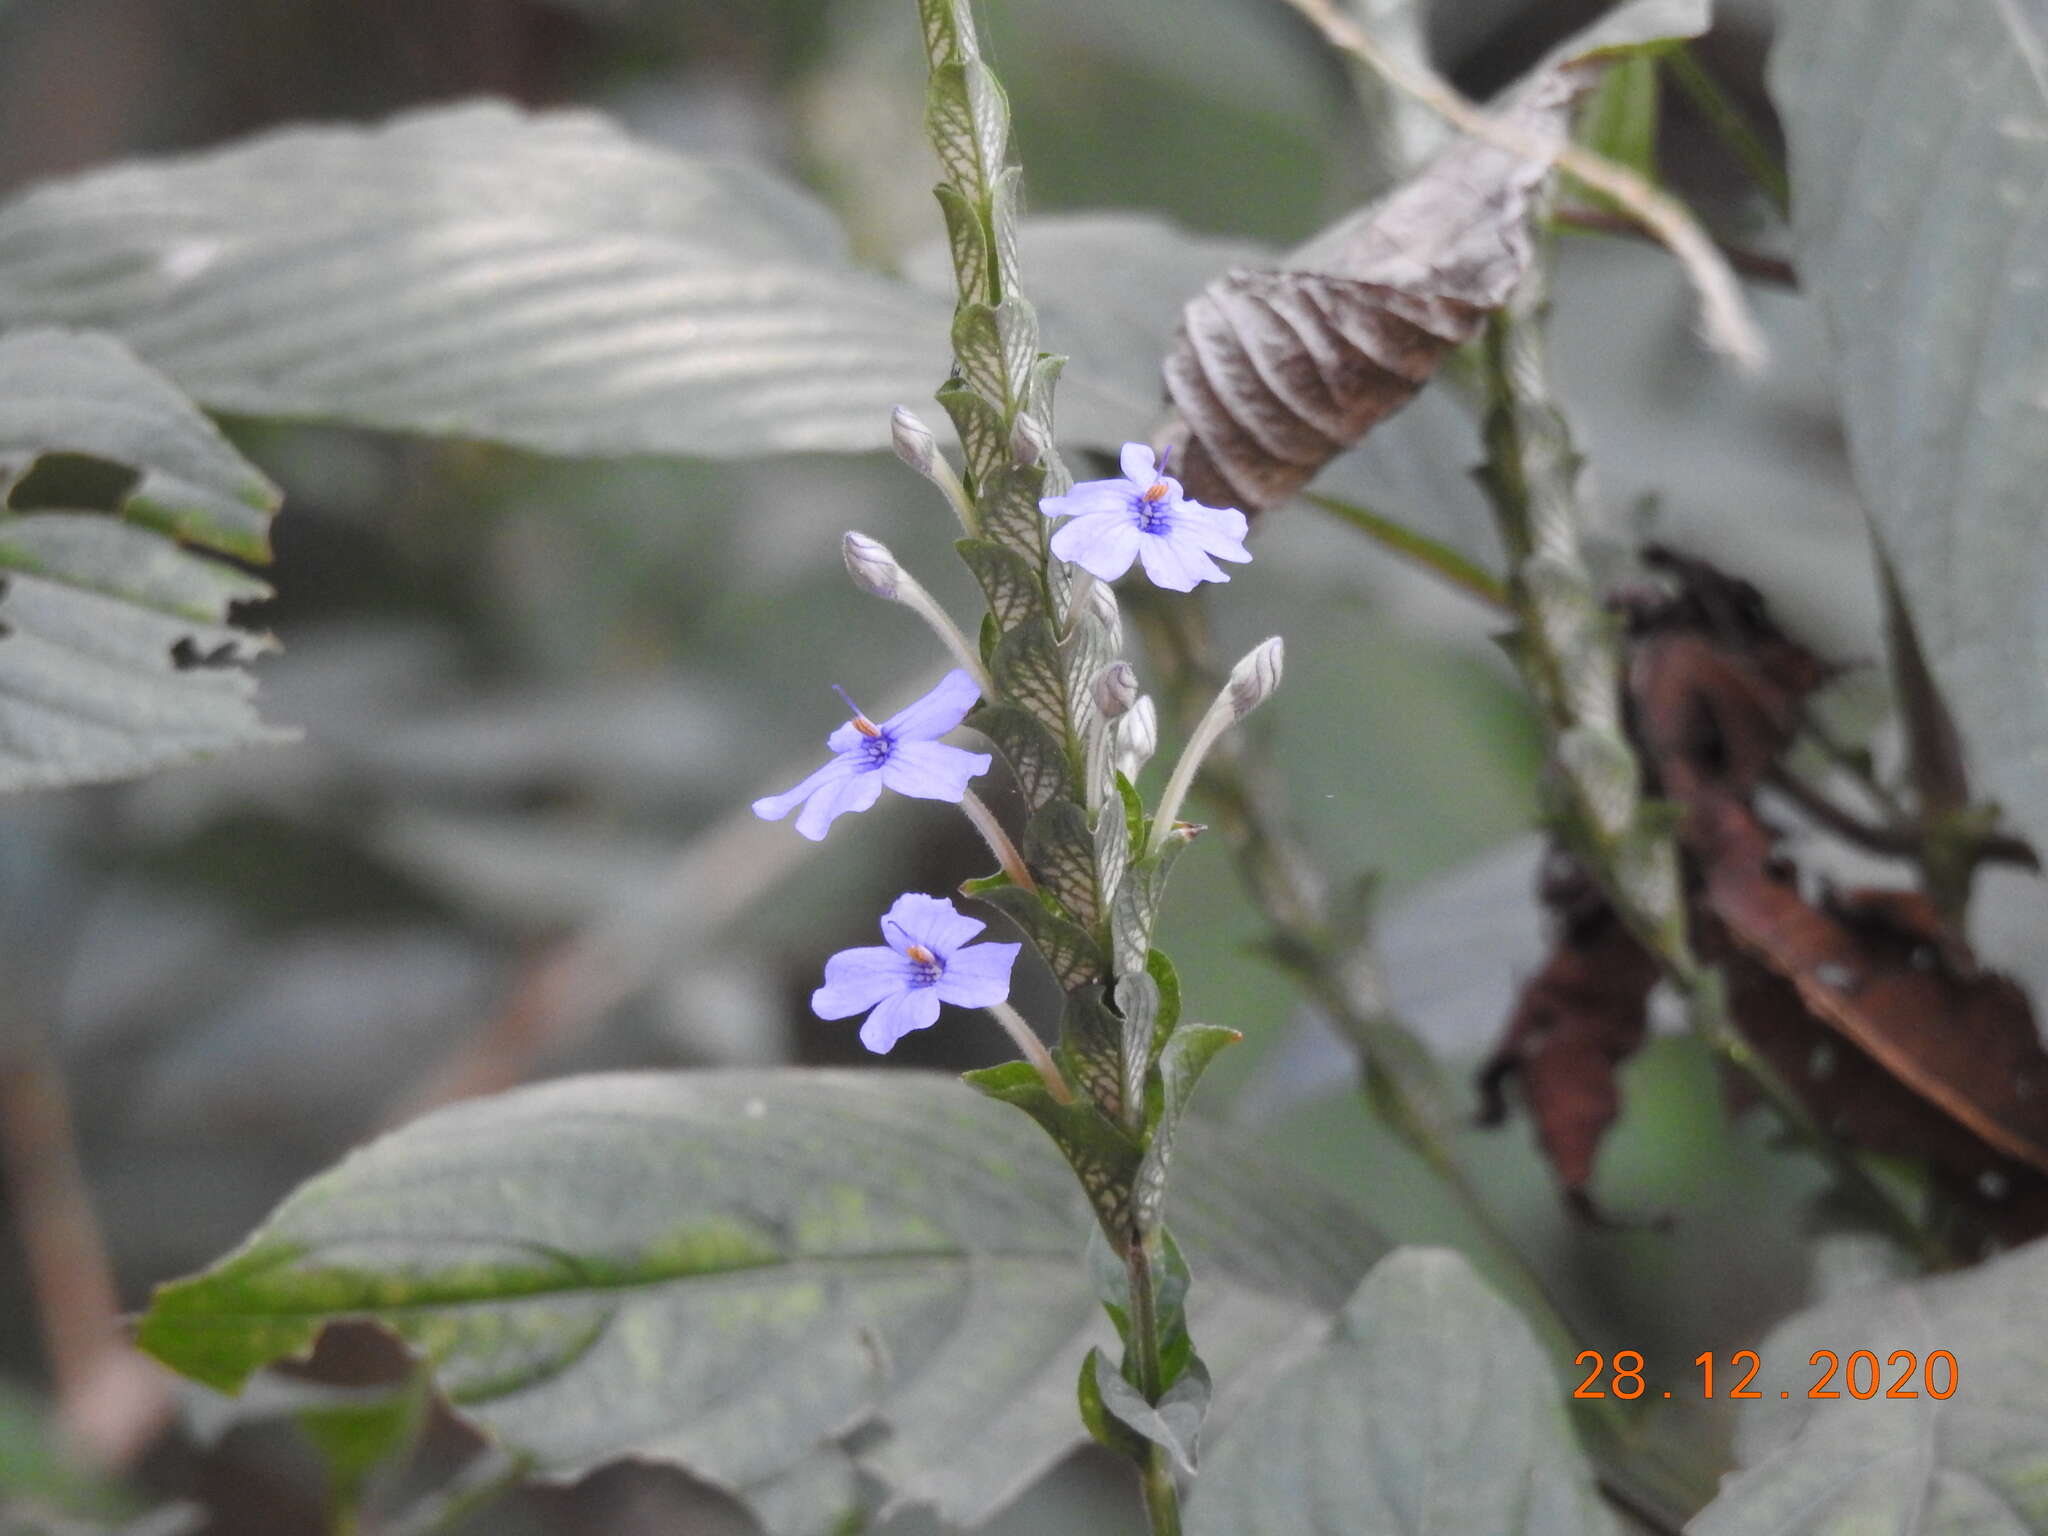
[903, 753]
[927, 961]
[1145, 516]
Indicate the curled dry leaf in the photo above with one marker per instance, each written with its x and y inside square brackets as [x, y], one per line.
[1275, 373]
[1578, 1019]
[1867, 1004]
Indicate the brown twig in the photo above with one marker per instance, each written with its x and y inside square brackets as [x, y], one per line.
[1758, 265]
[111, 1401]
[1904, 840]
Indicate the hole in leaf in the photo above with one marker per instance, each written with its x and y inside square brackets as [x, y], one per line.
[73, 482]
[188, 655]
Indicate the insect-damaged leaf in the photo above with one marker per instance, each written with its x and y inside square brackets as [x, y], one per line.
[116, 654]
[750, 1273]
[1276, 372]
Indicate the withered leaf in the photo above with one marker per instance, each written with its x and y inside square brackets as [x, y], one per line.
[1866, 1003]
[1277, 372]
[1963, 1042]
[1577, 1020]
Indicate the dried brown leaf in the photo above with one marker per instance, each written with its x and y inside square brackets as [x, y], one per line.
[1577, 1020]
[1277, 372]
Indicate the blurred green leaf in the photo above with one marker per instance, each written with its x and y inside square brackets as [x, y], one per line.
[479, 271]
[727, 1270]
[1976, 1461]
[1431, 1411]
[115, 656]
[1919, 140]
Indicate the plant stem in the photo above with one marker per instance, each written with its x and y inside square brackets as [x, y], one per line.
[998, 840]
[1439, 559]
[1027, 1041]
[1155, 1474]
[1757, 265]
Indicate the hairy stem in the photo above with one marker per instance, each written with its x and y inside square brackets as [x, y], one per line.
[1155, 1473]
[998, 840]
[1026, 1040]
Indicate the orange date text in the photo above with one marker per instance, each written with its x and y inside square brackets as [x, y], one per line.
[1858, 1375]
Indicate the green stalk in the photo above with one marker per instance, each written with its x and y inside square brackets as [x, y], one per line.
[1155, 1473]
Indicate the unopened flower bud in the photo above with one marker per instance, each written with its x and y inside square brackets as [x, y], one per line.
[1029, 440]
[873, 569]
[913, 441]
[1137, 738]
[1253, 679]
[1252, 682]
[1116, 689]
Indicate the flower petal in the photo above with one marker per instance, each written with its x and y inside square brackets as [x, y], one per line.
[1089, 496]
[915, 1009]
[937, 712]
[931, 770]
[858, 790]
[1139, 464]
[775, 807]
[978, 975]
[1220, 530]
[932, 921]
[857, 979]
[1176, 562]
[1102, 543]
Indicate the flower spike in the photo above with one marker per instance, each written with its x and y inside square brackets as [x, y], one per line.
[1145, 517]
[902, 753]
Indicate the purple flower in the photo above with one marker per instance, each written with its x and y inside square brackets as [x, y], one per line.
[1145, 517]
[926, 962]
[903, 753]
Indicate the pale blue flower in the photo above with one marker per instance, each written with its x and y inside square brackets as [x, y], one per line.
[926, 962]
[1144, 516]
[903, 753]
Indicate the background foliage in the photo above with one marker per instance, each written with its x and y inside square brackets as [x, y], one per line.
[536, 691]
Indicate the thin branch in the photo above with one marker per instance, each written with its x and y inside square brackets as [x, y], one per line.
[1757, 265]
[1725, 319]
[1439, 559]
[111, 1401]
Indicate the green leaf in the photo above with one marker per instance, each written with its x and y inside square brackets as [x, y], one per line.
[1188, 1052]
[1620, 120]
[476, 270]
[730, 1271]
[1136, 906]
[1091, 1040]
[1920, 176]
[1027, 671]
[1069, 950]
[1975, 1462]
[1060, 848]
[1431, 1411]
[1008, 581]
[1033, 753]
[966, 237]
[1175, 1423]
[115, 653]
